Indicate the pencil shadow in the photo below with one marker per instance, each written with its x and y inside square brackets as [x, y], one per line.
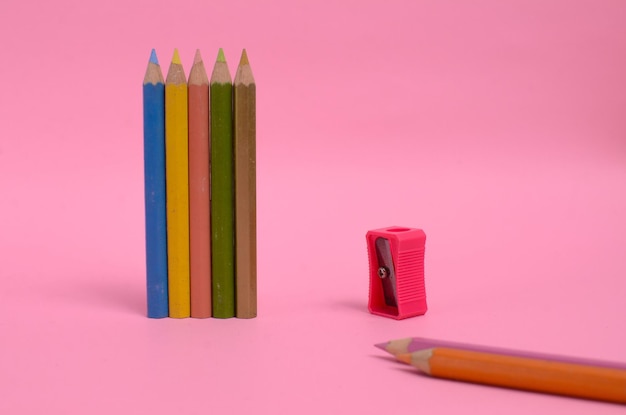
[102, 293]
[399, 366]
[409, 370]
[352, 305]
[388, 358]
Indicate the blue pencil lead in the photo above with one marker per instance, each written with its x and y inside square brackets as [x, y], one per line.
[153, 57]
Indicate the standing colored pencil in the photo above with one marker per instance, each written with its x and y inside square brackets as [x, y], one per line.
[222, 195]
[177, 176]
[410, 345]
[537, 375]
[154, 179]
[199, 205]
[244, 114]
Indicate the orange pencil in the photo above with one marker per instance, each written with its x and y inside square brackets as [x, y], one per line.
[199, 204]
[581, 381]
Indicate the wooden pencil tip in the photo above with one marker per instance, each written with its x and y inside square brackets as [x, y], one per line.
[419, 359]
[197, 76]
[244, 75]
[197, 58]
[220, 56]
[175, 73]
[153, 75]
[244, 58]
[382, 346]
[399, 346]
[176, 58]
[153, 57]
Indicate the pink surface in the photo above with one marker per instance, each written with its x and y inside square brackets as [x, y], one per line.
[497, 127]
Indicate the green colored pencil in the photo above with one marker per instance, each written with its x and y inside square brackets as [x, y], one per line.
[222, 193]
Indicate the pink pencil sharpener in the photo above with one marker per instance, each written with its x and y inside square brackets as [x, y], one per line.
[396, 263]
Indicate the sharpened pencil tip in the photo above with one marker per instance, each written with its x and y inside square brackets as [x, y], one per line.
[419, 359]
[176, 58]
[244, 58]
[197, 75]
[220, 56]
[398, 346]
[197, 58]
[153, 57]
[382, 346]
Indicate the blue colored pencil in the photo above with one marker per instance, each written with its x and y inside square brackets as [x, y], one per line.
[154, 175]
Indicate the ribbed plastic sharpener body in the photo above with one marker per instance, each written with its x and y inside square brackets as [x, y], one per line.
[396, 275]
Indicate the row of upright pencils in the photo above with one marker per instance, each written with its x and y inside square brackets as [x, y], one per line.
[200, 189]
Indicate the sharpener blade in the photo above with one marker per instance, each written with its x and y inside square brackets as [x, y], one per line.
[386, 271]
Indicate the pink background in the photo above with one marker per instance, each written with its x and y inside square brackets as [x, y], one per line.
[497, 127]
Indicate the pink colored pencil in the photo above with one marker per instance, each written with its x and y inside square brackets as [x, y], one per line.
[413, 344]
[199, 203]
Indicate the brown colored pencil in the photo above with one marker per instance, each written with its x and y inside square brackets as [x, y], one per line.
[581, 381]
[244, 114]
[199, 188]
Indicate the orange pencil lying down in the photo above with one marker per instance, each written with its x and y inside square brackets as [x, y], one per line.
[582, 381]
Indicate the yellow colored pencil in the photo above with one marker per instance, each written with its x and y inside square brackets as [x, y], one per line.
[177, 188]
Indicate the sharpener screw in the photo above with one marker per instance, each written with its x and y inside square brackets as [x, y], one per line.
[383, 272]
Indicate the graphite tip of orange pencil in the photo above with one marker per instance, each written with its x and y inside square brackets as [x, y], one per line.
[420, 359]
[404, 357]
